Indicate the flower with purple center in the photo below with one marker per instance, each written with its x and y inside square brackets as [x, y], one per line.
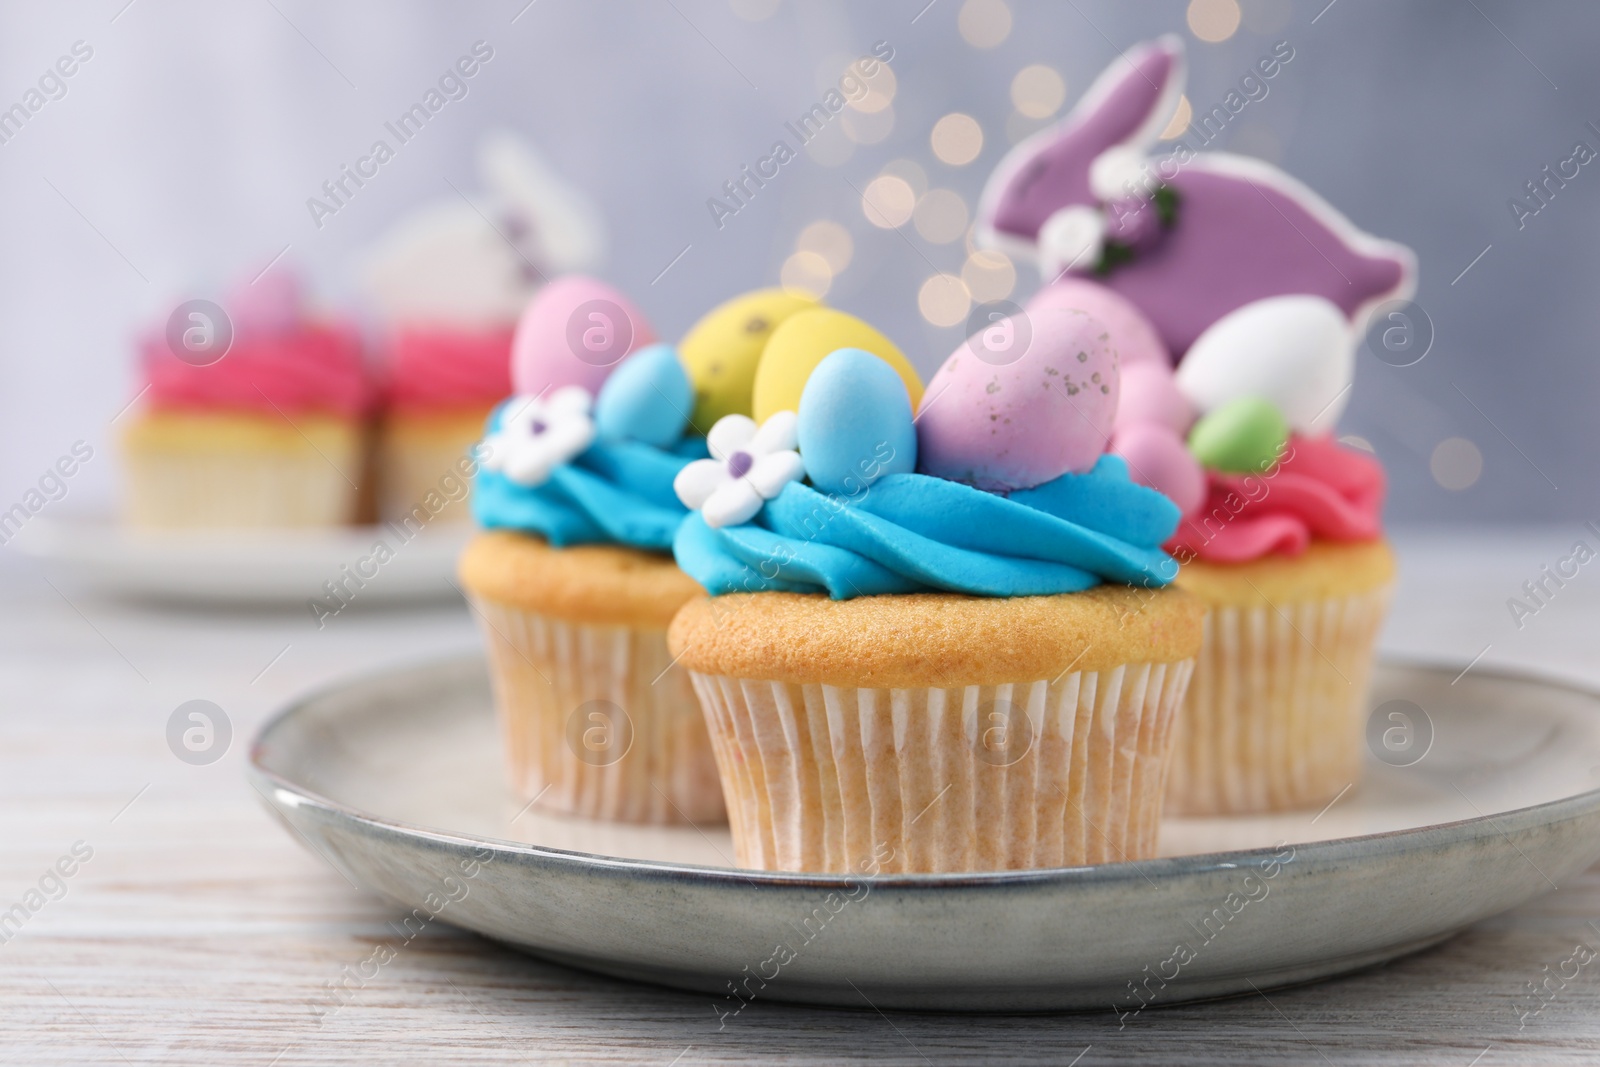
[537, 434]
[750, 465]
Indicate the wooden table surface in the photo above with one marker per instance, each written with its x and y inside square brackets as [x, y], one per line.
[199, 931]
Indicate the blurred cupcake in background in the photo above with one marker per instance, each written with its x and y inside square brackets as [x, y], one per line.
[254, 415]
[1232, 292]
[448, 284]
[572, 574]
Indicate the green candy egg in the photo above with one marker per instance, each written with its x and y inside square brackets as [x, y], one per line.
[1243, 436]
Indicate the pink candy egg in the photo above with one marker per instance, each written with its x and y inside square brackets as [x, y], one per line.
[270, 304]
[1150, 394]
[574, 332]
[1015, 425]
[1157, 458]
[1132, 335]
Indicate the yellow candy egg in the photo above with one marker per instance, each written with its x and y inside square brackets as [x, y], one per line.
[806, 338]
[721, 351]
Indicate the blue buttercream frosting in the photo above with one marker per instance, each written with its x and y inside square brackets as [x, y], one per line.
[906, 533]
[619, 489]
[615, 492]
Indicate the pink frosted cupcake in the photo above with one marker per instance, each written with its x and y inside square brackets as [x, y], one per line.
[449, 283]
[252, 417]
[1234, 294]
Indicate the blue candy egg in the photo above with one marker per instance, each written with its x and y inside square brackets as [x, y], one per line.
[647, 398]
[855, 423]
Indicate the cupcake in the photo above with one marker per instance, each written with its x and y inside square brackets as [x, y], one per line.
[572, 575]
[940, 643]
[251, 417]
[1286, 549]
[448, 284]
[1231, 291]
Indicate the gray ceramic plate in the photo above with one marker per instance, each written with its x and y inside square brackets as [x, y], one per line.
[396, 781]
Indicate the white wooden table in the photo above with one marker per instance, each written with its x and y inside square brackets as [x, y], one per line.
[200, 932]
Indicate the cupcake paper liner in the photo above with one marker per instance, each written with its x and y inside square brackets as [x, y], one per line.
[1275, 717]
[416, 470]
[1031, 774]
[598, 721]
[170, 489]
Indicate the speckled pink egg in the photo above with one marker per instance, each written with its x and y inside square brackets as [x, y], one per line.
[1027, 422]
[1150, 394]
[1132, 335]
[574, 332]
[1158, 458]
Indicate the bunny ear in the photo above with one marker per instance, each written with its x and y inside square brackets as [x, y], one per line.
[569, 228]
[1128, 105]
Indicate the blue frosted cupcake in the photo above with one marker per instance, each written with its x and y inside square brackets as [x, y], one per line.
[573, 580]
[953, 649]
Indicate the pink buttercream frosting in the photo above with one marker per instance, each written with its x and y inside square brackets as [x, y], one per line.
[1319, 491]
[279, 360]
[440, 368]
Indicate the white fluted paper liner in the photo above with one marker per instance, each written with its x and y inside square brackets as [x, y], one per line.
[418, 472]
[657, 768]
[169, 489]
[825, 778]
[1275, 718]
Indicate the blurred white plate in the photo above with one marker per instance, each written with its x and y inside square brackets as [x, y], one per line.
[247, 566]
[396, 781]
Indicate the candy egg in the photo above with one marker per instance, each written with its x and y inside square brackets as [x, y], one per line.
[721, 351]
[646, 399]
[272, 304]
[801, 341]
[855, 423]
[1296, 351]
[1149, 394]
[574, 332]
[1132, 335]
[1243, 436]
[1028, 422]
[1157, 458]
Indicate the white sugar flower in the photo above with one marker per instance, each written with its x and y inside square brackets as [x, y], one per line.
[749, 466]
[538, 434]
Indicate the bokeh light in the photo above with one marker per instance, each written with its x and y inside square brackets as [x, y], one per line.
[867, 127]
[881, 87]
[957, 139]
[1456, 463]
[989, 275]
[806, 272]
[941, 216]
[1213, 20]
[1038, 91]
[829, 240]
[888, 201]
[944, 300]
[984, 23]
[910, 171]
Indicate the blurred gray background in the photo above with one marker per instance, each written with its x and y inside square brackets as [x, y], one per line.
[182, 154]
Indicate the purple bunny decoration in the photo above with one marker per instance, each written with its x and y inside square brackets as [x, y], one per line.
[1186, 238]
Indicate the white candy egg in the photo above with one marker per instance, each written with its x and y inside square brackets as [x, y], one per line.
[1297, 351]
